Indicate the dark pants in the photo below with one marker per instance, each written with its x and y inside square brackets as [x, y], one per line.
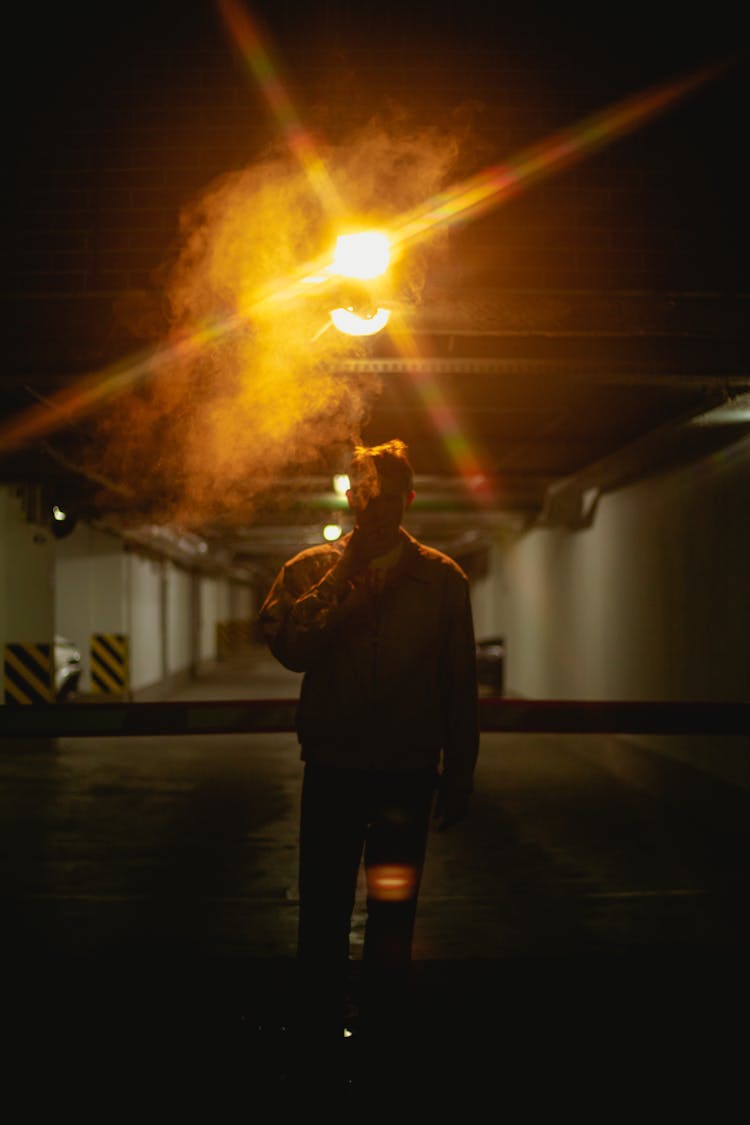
[345, 814]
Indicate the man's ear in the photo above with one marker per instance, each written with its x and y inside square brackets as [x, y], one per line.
[409, 498]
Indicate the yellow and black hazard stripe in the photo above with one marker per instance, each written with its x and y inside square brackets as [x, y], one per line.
[109, 663]
[28, 673]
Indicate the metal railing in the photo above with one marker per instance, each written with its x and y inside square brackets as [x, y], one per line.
[265, 716]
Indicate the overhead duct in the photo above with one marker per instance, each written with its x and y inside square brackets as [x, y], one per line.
[571, 502]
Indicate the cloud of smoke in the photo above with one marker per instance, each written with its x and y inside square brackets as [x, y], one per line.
[253, 393]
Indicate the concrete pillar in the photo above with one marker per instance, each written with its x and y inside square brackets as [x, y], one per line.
[179, 607]
[27, 602]
[214, 607]
[91, 590]
[146, 592]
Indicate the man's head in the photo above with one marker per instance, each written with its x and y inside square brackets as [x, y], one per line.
[381, 490]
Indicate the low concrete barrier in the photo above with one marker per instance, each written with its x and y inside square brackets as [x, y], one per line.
[258, 716]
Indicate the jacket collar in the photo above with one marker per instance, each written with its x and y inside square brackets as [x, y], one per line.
[411, 562]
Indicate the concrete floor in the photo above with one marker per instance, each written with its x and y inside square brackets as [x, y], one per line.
[149, 896]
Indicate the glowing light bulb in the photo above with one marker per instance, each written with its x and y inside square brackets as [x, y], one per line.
[341, 484]
[58, 514]
[364, 255]
[331, 532]
[361, 256]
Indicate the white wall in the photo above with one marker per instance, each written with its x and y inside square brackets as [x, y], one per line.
[88, 583]
[214, 607]
[651, 602]
[26, 576]
[147, 652]
[488, 596]
[91, 590]
[241, 602]
[102, 588]
[179, 619]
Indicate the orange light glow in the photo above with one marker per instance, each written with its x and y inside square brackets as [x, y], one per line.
[246, 34]
[463, 452]
[391, 882]
[364, 255]
[498, 183]
[361, 256]
[244, 391]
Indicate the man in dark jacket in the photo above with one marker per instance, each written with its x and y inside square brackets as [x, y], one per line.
[381, 626]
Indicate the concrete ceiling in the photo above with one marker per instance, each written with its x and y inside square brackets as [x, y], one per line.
[590, 332]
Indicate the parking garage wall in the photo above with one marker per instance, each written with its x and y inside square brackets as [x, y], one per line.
[179, 631]
[214, 607]
[91, 591]
[652, 601]
[147, 643]
[174, 618]
[167, 614]
[26, 578]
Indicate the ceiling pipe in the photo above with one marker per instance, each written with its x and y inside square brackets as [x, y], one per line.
[571, 502]
[592, 372]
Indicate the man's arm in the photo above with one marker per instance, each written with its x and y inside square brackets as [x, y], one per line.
[305, 607]
[298, 614]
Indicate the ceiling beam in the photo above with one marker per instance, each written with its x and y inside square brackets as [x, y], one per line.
[591, 371]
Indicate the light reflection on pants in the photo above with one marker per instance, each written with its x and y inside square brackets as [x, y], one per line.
[345, 814]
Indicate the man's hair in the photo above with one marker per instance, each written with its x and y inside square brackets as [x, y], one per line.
[389, 459]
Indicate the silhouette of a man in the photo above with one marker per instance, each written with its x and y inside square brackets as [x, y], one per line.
[382, 628]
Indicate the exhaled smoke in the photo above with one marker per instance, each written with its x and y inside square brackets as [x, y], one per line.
[252, 390]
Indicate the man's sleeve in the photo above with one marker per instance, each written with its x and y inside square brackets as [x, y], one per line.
[298, 617]
[461, 716]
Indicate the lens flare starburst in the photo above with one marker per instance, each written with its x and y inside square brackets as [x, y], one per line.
[256, 317]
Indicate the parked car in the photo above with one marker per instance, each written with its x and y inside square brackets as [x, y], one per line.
[67, 666]
[491, 665]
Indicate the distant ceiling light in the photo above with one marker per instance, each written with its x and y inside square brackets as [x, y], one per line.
[62, 521]
[736, 412]
[332, 532]
[341, 484]
[352, 324]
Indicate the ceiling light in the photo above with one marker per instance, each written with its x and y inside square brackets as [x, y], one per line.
[349, 322]
[62, 520]
[363, 255]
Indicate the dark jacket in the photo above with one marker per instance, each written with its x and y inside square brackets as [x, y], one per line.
[390, 676]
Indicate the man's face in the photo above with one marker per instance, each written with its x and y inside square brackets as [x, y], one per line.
[379, 508]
